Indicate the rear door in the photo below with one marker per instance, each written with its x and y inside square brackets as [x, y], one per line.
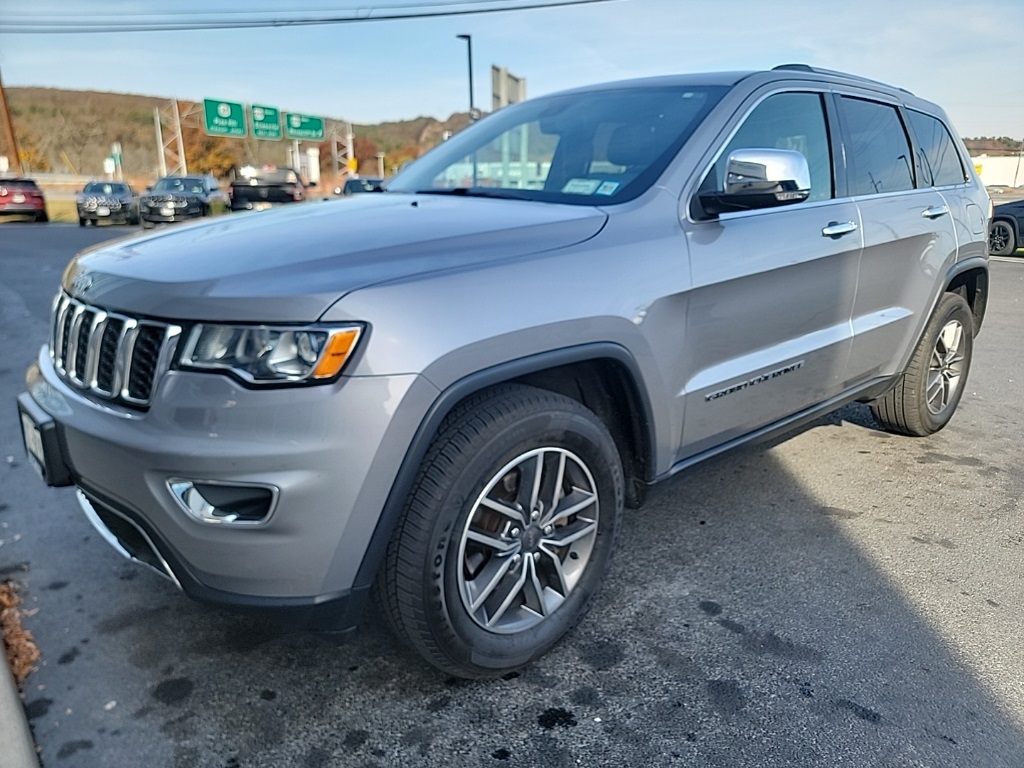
[768, 327]
[909, 238]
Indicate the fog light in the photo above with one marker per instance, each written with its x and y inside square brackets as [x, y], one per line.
[222, 503]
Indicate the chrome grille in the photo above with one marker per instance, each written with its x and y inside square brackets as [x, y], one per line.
[114, 356]
[171, 201]
[92, 203]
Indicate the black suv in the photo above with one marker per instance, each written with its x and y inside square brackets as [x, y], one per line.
[107, 201]
[1004, 237]
[179, 198]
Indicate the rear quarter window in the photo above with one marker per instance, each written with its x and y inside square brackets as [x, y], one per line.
[937, 156]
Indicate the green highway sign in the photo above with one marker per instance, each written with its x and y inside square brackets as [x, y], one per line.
[223, 118]
[266, 122]
[303, 127]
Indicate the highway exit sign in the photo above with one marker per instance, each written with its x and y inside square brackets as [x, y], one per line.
[266, 122]
[223, 118]
[298, 126]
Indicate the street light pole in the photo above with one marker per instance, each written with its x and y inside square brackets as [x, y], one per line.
[469, 53]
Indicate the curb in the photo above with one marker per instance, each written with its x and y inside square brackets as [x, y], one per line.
[18, 750]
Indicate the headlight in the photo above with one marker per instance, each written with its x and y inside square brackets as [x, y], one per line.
[266, 355]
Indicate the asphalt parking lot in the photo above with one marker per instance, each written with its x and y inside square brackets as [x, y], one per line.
[841, 597]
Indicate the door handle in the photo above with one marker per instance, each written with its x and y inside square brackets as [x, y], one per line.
[836, 228]
[934, 213]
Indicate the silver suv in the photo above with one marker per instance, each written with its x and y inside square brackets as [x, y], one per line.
[447, 392]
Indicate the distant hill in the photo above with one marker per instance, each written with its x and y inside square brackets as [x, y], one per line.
[993, 147]
[72, 132]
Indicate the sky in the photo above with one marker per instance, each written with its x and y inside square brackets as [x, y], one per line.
[956, 53]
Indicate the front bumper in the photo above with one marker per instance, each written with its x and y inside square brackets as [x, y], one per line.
[330, 452]
[154, 215]
[106, 214]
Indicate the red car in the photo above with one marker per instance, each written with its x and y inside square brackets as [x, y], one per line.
[21, 197]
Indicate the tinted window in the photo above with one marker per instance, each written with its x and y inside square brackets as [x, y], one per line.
[105, 188]
[936, 154]
[794, 121]
[179, 184]
[274, 176]
[878, 152]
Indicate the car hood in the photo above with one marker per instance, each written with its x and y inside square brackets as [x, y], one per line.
[290, 265]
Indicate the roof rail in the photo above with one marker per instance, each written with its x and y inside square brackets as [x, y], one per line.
[835, 73]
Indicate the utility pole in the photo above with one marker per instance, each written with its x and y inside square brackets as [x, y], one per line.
[12, 140]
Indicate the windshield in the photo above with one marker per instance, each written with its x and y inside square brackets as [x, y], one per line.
[179, 184]
[105, 188]
[593, 147]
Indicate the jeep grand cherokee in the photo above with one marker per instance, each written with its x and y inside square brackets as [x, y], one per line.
[450, 390]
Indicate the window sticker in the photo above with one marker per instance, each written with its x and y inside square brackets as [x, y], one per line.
[581, 186]
[607, 188]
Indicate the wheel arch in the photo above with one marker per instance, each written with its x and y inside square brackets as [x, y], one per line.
[1007, 219]
[969, 278]
[604, 377]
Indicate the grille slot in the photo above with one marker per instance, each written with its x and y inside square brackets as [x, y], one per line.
[116, 357]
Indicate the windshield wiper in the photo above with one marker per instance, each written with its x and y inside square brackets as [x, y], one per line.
[475, 192]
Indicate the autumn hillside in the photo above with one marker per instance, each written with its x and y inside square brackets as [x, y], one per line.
[72, 132]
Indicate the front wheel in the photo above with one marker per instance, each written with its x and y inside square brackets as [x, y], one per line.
[928, 392]
[1001, 239]
[507, 534]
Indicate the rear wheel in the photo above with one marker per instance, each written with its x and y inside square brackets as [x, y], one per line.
[928, 392]
[42, 217]
[1001, 239]
[81, 221]
[507, 533]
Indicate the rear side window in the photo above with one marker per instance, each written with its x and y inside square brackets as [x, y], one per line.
[936, 154]
[878, 151]
[794, 121]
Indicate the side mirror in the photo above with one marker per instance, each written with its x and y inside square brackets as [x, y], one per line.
[760, 178]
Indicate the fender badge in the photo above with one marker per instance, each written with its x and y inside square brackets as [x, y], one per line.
[81, 283]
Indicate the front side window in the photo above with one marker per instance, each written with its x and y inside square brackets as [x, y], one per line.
[794, 121]
[588, 148]
[936, 154]
[877, 151]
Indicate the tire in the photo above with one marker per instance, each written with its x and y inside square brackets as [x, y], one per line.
[42, 217]
[81, 221]
[1002, 240]
[926, 395]
[459, 581]
[147, 224]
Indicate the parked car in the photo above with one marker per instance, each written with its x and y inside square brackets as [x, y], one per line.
[259, 189]
[1004, 236]
[448, 392]
[23, 198]
[180, 198]
[358, 186]
[107, 201]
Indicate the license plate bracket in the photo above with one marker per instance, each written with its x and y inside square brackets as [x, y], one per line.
[42, 442]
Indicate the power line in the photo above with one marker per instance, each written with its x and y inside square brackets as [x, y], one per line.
[223, 19]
